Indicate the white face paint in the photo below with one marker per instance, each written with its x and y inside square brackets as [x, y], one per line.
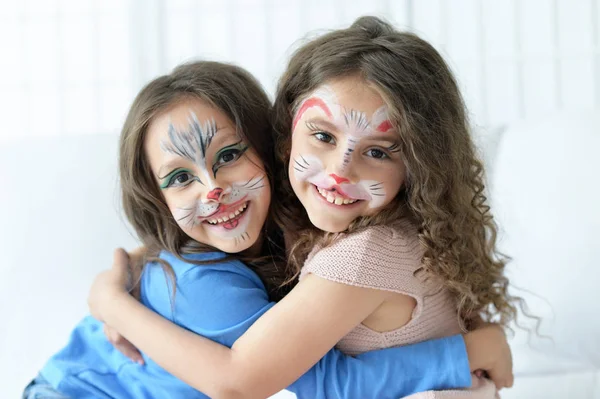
[310, 169]
[345, 159]
[214, 185]
[228, 219]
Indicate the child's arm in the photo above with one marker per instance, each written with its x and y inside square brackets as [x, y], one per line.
[276, 351]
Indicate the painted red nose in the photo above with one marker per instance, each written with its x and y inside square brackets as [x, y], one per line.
[214, 194]
[338, 179]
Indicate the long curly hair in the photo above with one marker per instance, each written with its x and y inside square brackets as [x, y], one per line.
[237, 94]
[443, 194]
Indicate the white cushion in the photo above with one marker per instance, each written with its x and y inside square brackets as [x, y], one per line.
[546, 197]
[60, 218]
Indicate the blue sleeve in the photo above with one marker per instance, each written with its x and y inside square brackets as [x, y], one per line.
[222, 303]
[388, 373]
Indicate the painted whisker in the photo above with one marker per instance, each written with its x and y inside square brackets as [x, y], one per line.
[248, 182]
[186, 216]
[300, 165]
[256, 182]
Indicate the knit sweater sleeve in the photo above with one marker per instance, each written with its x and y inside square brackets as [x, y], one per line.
[378, 257]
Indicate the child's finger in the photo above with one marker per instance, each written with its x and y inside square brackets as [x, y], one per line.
[130, 351]
[123, 345]
[120, 258]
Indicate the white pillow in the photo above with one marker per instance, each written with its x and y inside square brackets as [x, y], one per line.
[60, 220]
[546, 197]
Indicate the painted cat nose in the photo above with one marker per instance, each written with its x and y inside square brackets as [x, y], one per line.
[338, 179]
[214, 194]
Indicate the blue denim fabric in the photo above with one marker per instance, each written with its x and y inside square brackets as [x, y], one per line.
[39, 388]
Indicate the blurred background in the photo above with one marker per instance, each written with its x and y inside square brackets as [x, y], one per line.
[73, 66]
[529, 71]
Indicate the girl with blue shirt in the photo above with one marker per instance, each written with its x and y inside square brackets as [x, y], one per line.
[196, 168]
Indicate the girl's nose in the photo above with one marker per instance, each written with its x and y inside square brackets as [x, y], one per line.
[339, 179]
[214, 194]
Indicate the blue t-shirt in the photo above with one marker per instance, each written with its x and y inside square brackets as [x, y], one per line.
[221, 301]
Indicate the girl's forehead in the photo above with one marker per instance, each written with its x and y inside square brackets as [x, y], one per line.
[180, 113]
[349, 93]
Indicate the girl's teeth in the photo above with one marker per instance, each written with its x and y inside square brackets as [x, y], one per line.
[230, 216]
[334, 199]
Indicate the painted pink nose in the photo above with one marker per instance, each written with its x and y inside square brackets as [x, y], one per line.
[338, 179]
[214, 194]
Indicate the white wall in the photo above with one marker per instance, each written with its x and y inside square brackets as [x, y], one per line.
[73, 66]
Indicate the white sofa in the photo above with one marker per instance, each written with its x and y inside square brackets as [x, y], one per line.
[546, 196]
[60, 220]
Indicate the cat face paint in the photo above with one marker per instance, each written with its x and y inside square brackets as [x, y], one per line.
[214, 185]
[345, 159]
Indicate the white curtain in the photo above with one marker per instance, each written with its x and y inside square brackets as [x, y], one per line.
[74, 66]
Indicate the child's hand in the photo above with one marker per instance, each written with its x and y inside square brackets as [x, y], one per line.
[109, 284]
[123, 345]
[488, 350]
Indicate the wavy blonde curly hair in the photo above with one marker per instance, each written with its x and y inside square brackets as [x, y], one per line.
[444, 190]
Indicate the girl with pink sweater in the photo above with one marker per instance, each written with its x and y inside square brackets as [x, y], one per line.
[382, 199]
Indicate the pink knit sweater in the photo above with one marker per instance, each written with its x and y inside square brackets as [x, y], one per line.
[387, 258]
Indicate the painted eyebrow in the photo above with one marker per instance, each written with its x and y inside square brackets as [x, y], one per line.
[391, 144]
[165, 169]
[183, 142]
[309, 103]
[322, 123]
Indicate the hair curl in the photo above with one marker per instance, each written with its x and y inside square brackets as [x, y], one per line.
[444, 192]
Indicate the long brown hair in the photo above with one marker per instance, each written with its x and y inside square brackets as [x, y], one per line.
[444, 189]
[236, 93]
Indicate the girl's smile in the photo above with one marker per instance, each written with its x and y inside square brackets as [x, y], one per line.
[345, 160]
[213, 183]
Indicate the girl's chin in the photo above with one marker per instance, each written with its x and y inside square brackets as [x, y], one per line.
[328, 225]
[234, 246]
[228, 245]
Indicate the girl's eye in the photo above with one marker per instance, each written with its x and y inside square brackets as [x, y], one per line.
[324, 137]
[376, 153]
[228, 156]
[180, 179]
[177, 178]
